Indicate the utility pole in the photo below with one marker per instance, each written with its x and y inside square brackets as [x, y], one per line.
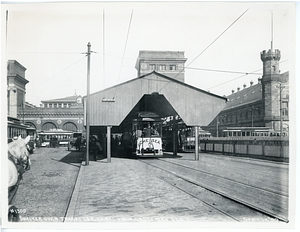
[217, 126]
[280, 106]
[88, 105]
[252, 116]
[196, 143]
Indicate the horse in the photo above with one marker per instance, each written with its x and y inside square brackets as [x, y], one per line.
[18, 163]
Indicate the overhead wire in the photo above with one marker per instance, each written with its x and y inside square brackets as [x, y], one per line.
[129, 26]
[207, 47]
[63, 70]
[232, 79]
[103, 45]
[224, 71]
[48, 53]
[45, 80]
[126, 41]
[239, 77]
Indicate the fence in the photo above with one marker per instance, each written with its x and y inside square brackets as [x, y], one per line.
[262, 148]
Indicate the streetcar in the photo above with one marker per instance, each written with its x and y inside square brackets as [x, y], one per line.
[15, 129]
[253, 132]
[188, 138]
[145, 139]
[55, 137]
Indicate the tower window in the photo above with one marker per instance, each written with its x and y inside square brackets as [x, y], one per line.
[172, 67]
[162, 67]
[152, 66]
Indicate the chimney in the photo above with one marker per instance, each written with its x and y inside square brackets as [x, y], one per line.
[259, 80]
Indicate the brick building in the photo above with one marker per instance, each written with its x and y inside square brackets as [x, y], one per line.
[63, 114]
[265, 104]
[169, 63]
[16, 89]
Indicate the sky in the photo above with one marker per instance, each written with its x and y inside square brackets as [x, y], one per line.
[222, 42]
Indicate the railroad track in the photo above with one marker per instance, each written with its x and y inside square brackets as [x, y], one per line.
[265, 200]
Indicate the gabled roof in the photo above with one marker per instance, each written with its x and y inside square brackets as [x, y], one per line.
[195, 106]
[170, 79]
[61, 100]
[249, 95]
[245, 96]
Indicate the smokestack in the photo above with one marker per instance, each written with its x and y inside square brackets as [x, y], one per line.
[259, 80]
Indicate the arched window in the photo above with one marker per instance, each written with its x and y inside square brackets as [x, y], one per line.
[49, 126]
[70, 126]
[30, 124]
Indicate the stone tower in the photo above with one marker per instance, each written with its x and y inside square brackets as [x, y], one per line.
[271, 87]
[169, 63]
[15, 87]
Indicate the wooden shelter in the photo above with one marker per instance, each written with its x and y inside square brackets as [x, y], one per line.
[116, 106]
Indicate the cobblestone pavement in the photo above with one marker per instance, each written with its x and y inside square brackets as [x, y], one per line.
[46, 189]
[129, 190]
[58, 188]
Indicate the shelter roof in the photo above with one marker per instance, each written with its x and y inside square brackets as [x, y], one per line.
[157, 93]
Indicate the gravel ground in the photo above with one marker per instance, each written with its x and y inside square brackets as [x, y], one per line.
[47, 187]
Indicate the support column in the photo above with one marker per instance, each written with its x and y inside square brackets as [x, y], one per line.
[196, 143]
[175, 136]
[108, 139]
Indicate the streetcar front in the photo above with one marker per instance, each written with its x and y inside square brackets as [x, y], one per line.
[147, 133]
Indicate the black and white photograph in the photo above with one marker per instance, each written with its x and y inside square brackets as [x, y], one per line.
[150, 115]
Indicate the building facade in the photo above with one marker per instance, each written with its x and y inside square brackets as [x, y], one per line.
[63, 114]
[168, 63]
[16, 87]
[265, 104]
[57, 114]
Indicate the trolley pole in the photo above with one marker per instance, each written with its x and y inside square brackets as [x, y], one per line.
[88, 105]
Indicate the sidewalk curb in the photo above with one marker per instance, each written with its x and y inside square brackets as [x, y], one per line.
[73, 202]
